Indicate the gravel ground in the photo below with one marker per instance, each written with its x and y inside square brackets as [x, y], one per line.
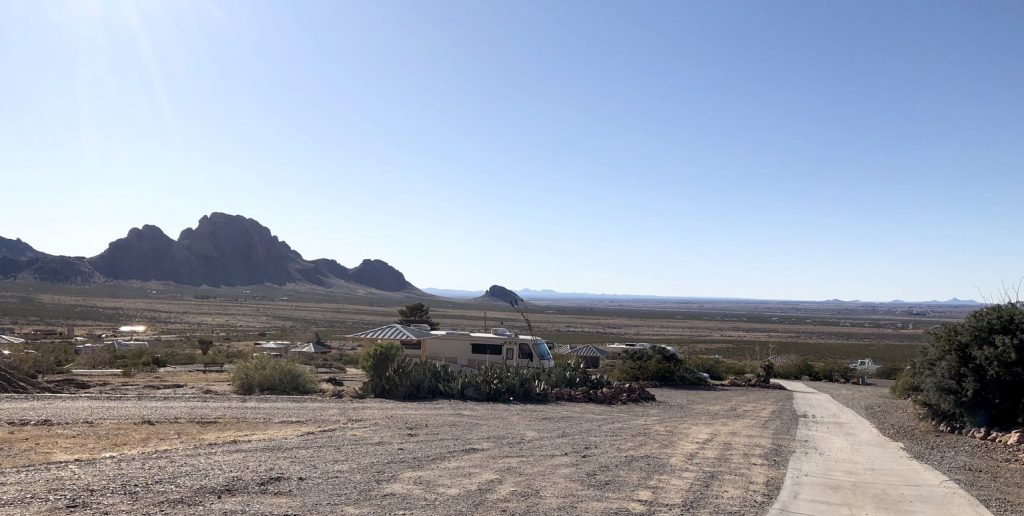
[694, 451]
[992, 473]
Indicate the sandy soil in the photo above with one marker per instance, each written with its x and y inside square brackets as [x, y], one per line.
[26, 442]
[992, 473]
[695, 451]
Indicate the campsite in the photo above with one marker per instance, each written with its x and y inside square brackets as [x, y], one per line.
[693, 448]
[392, 257]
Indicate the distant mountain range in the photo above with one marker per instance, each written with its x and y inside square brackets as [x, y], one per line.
[221, 251]
[548, 295]
[232, 251]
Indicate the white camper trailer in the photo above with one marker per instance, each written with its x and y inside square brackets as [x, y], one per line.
[463, 349]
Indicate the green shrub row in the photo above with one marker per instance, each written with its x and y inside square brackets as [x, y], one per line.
[390, 375]
[657, 364]
[801, 368]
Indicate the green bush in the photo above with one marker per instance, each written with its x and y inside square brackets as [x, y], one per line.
[801, 368]
[656, 364]
[381, 364]
[146, 360]
[971, 372]
[48, 359]
[906, 384]
[795, 369]
[714, 367]
[263, 375]
[833, 371]
[730, 368]
[888, 372]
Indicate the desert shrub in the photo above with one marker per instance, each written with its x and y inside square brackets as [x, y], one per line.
[222, 355]
[971, 372]
[730, 368]
[888, 372]
[101, 358]
[204, 345]
[833, 371]
[346, 358]
[656, 364]
[906, 384]
[572, 375]
[391, 375]
[139, 359]
[795, 369]
[332, 360]
[380, 362]
[714, 367]
[263, 375]
[48, 359]
[801, 368]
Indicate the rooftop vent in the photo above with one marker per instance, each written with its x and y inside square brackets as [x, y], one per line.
[421, 327]
[501, 331]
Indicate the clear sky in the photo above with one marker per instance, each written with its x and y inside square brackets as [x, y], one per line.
[798, 150]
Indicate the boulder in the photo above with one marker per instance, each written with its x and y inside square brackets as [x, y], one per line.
[1015, 439]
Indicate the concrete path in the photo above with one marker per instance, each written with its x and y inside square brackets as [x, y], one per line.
[843, 466]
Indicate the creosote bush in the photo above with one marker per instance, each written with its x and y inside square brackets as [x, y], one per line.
[263, 375]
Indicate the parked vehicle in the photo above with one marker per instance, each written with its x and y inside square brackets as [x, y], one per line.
[463, 349]
[865, 365]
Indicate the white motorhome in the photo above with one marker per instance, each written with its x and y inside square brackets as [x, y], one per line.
[463, 349]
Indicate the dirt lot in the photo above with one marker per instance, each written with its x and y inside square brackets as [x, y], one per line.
[991, 473]
[694, 451]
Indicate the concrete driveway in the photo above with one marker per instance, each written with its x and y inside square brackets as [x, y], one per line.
[842, 465]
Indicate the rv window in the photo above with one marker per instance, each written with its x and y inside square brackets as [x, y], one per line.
[411, 345]
[486, 349]
[524, 352]
[509, 352]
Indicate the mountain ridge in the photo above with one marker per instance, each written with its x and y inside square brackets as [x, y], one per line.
[221, 251]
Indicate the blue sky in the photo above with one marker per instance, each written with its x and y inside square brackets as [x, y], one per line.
[797, 150]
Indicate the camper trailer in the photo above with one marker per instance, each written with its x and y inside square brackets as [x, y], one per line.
[463, 349]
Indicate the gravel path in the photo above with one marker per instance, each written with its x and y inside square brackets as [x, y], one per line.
[994, 474]
[694, 451]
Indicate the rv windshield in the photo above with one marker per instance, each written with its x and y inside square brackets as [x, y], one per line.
[542, 350]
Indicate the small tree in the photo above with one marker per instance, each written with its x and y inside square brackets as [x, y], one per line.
[416, 313]
[205, 345]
